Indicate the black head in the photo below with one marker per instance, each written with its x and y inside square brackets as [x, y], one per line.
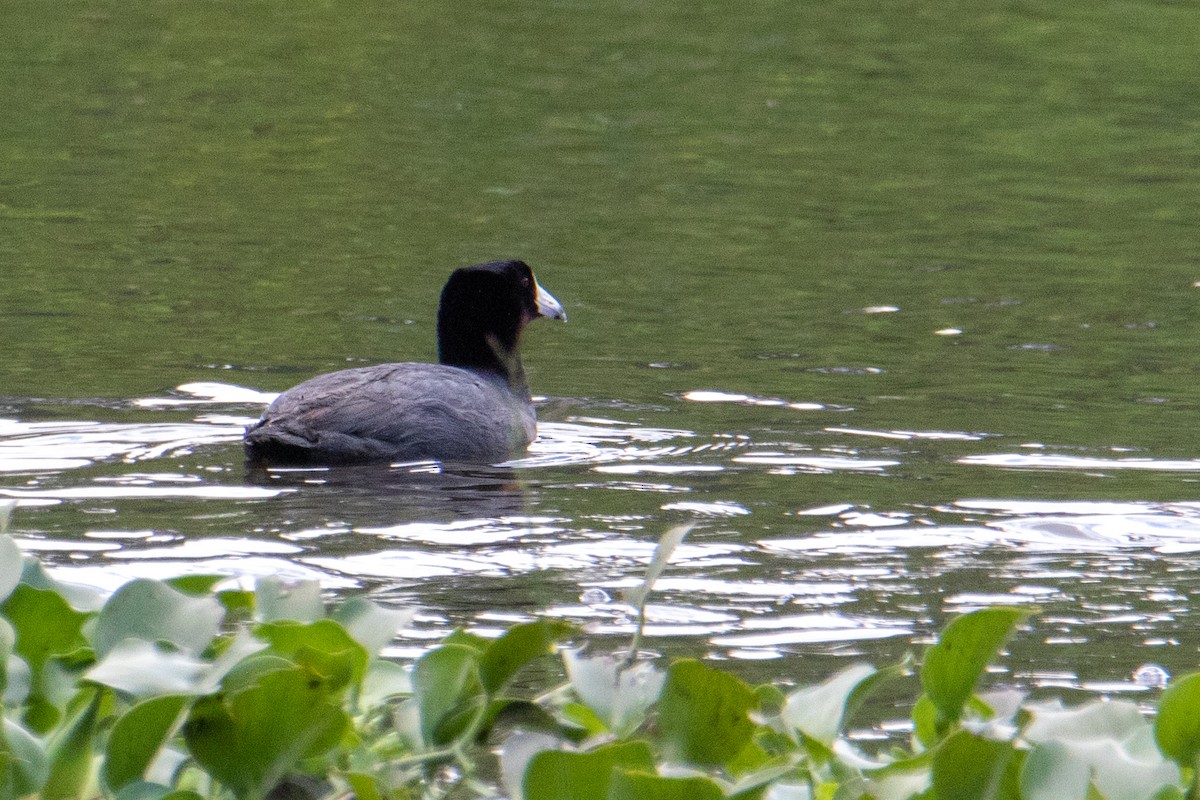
[482, 313]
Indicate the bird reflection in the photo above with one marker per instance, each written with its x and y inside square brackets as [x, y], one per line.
[424, 488]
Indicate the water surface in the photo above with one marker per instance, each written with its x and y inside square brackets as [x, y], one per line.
[896, 300]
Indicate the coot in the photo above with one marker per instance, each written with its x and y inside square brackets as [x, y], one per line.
[473, 406]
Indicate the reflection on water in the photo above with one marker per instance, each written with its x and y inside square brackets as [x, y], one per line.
[565, 530]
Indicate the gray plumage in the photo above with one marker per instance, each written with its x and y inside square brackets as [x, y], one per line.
[396, 412]
[473, 406]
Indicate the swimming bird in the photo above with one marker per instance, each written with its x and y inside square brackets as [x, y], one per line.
[473, 406]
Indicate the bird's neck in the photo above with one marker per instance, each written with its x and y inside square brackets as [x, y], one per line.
[486, 354]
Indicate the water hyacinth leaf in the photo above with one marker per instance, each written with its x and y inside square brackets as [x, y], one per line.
[46, 628]
[763, 781]
[239, 604]
[584, 718]
[631, 785]
[195, 585]
[1112, 740]
[24, 765]
[325, 645]
[559, 775]
[372, 625]
[8, 644]
[248, 740]
[818, 711]
[924, 717]
[1125, 770]
[80, 598]
[704, 714]
[662, 556]
[234, 652]
[470, 640]
[383, 681]
[154, 791]
[440, 680]
[152, 611]
[519, 749]
[12, 563]
[366, 787]
[137, 737]
[953, 665]
[516, 648]
[1051, 772]
[143, 790]
[1177, 728]
[968, 767]
[300, 601]
[787, 791]
[1051, 721]
[897, 784]
[70, 754]
[143, 669]
[249, 671]
[619, 694]
[45, 625]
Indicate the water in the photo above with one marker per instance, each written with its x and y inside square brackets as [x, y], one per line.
[897, 301]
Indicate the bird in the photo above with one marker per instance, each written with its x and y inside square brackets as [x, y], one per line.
[472, 407]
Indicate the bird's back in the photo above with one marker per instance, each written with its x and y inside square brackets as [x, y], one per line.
[394, 412]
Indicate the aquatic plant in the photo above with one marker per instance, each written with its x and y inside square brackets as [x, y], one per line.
[186, 689]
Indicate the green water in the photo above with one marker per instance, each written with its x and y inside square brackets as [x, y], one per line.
[255, 192]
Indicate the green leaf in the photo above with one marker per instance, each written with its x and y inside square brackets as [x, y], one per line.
[300, 601]
[924, 717]
[967, 767]
[248, 740]
[8, 643]
[324, 645]
[662, 556]
[558, 775]
[383, 681]
[817, 711]
[80, 598]
[24, 765]
[45, 625]
[137, 737]
[143, 669]
[47, 629]
[373, 626]
[366, 787]
[71, 756]
[1177, 728]
[143, 790]
[238, 604]
[195, 585]
[441, 679]
[473, 641]
[953, 665]
[12, 561]
[154, 791]
[704, 714]
[631, 785]
[1111, 740]
[619, 694]
[582, 716]
[516, 648]
[152, 611]
[1052, 773]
